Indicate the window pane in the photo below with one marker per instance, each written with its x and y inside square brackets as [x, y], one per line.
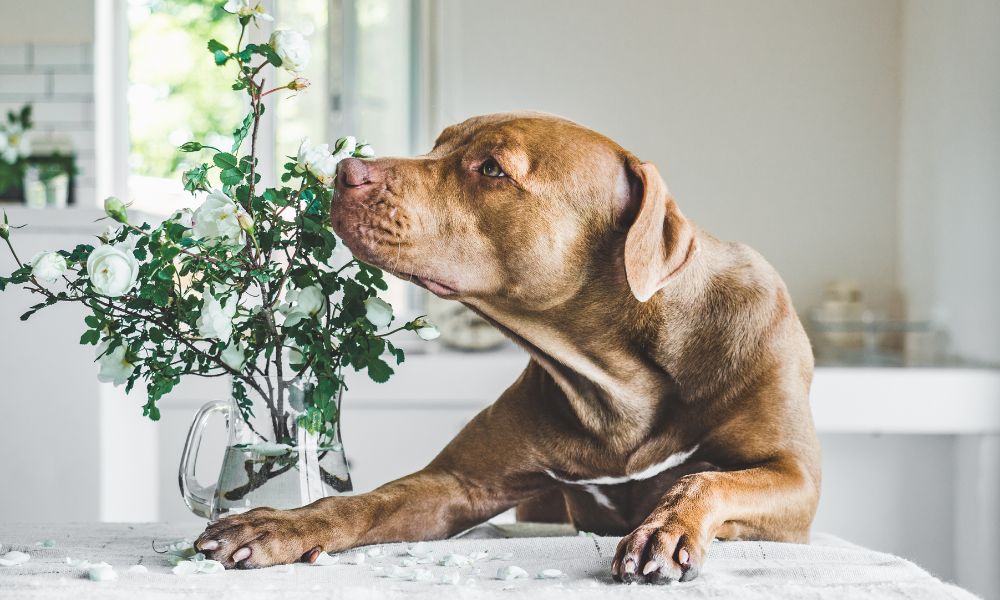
[304, 114]
[175, 94]
[383, 74]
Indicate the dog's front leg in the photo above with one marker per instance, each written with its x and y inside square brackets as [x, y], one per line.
[773, 501]
[489, 467]
[430, 504]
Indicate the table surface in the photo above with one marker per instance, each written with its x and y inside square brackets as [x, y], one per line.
[826, 568]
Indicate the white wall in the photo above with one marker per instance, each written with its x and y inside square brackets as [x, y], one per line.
[949, 206]
[49, 423]
[47, 21]
[774, 123]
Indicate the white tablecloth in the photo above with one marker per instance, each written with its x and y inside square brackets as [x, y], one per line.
[827, 568]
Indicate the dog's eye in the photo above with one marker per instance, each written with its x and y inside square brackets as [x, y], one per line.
[491, 168]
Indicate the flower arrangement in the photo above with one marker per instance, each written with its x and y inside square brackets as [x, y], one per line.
[244, 286]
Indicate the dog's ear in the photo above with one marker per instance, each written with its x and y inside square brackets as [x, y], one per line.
[660, 242]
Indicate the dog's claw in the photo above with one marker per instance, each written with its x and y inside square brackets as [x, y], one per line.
[684, 557]
[650, 567]
[209, 545]
[313, 555]
[241, 554]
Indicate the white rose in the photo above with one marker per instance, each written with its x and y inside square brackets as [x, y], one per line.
[426, 330]
[378, 311]
[235, 356]
[299, 304]
[48, 266]
[318, 160]
[292, 48]
[113, 270]
[248, 8]
[366, 151]
[216, 320]
[218, 219]
[113, 366]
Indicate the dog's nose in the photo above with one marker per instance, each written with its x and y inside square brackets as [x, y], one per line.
[353, 172]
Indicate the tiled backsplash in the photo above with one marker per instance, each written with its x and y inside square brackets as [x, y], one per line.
[59, 83]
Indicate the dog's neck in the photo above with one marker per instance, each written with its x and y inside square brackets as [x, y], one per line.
[609, 354]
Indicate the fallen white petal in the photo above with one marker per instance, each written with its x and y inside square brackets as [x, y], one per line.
[209, 567]
[137, 569]
[398, 572]
[511, 572]
[78, 563]
[551, 574]
[373, 552]
[325, 560]
[14, 558]
[409, 562]
[424, 575]
[425, 560]
[358, 558]
[455, 560]
[181, 546]
[46, 543]
[479, 555]
[101, 571]
[453, 578]
[419, 549]
[184, 568]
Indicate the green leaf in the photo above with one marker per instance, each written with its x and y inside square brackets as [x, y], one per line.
[221, 57]
[379, 371]
[160, 297]
[91, 336]
[240, 133]
[231, 176]
[225, 160]
[216, 46]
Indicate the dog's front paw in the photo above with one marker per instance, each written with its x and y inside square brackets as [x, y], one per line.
[659, 552]
[260, 538]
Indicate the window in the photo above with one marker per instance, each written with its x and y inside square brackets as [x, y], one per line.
[364, 76]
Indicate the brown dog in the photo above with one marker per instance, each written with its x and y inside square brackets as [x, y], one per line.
[667, 395]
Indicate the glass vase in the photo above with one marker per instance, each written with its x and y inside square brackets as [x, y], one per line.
[280, 452]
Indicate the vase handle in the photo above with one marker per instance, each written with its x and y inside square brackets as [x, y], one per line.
[197, 497]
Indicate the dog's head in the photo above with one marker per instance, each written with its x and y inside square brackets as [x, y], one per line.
[521, 209]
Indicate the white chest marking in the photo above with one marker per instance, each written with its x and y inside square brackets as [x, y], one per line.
[674, 460]
[599, 496]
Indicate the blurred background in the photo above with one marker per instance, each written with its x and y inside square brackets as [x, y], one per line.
[855, 144]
